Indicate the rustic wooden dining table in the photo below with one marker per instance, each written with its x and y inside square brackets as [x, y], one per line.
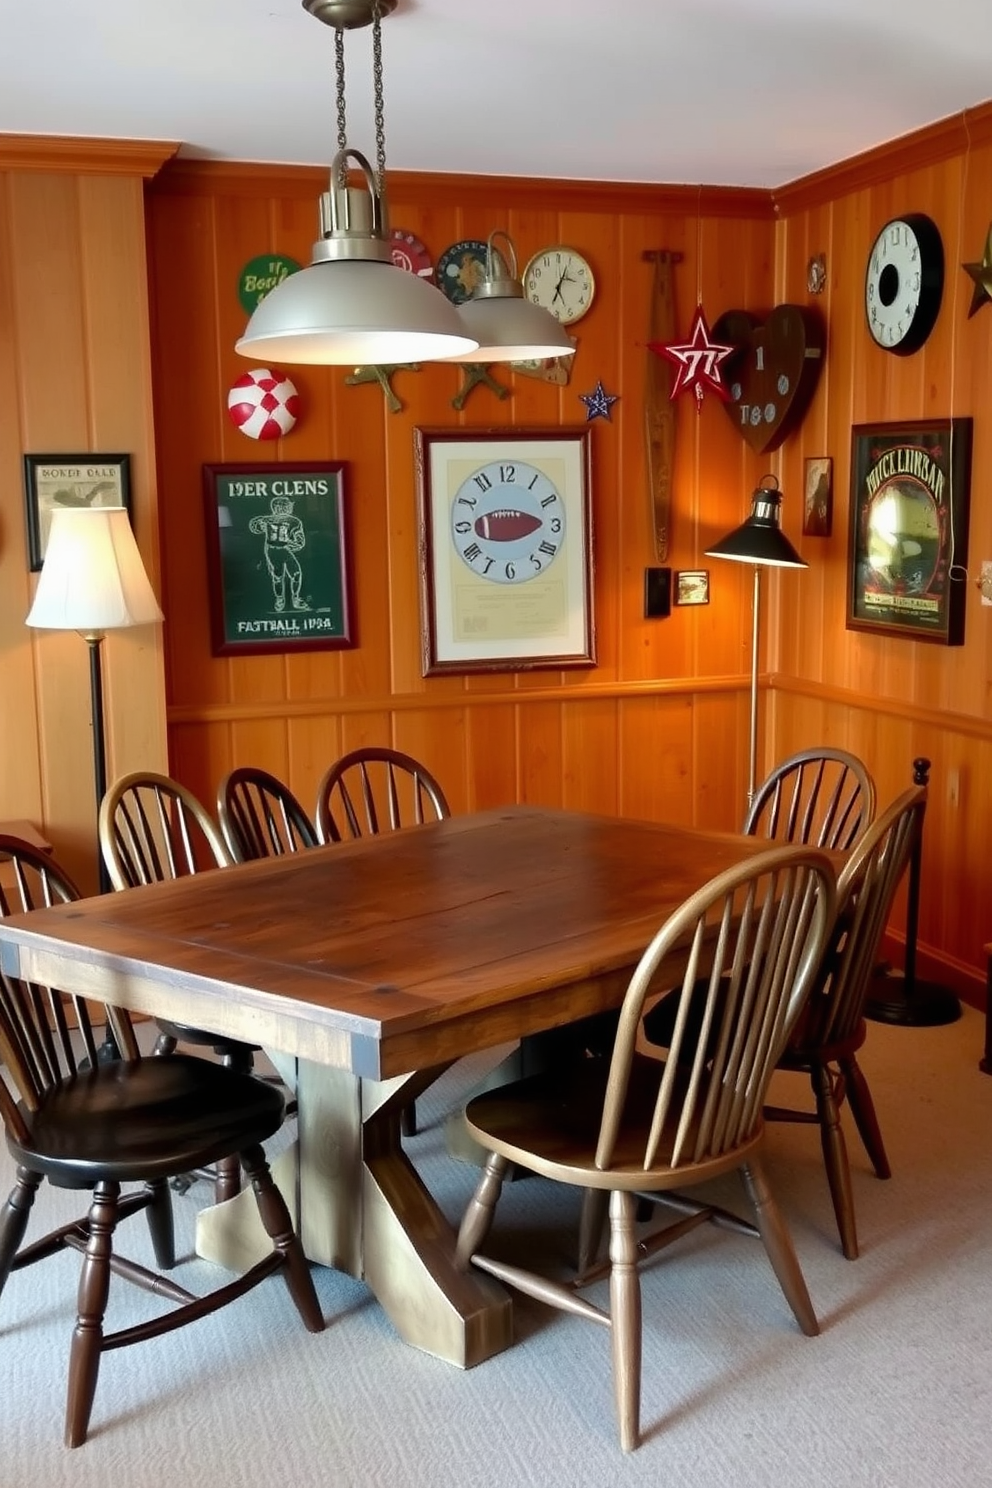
[366, 969]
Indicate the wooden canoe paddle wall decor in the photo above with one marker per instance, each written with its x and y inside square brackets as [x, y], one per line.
[659, 411]
[773, 372]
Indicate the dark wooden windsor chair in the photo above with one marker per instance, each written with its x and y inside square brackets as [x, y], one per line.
[85, 1125]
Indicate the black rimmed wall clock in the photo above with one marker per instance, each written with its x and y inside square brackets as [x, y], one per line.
[904, 281]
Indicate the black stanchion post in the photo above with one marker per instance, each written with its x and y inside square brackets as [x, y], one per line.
[900, 996]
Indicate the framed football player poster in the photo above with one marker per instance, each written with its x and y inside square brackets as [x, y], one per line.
[276, 558]
[505, 549]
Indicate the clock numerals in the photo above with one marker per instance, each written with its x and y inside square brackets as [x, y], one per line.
[903, 283]
[507, 522]
[560, 280]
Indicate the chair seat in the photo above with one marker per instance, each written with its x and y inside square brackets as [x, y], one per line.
[553, 1126]
[155, 1118]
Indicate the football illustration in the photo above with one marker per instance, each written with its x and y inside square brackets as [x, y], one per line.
[263, 404]
[506, 525]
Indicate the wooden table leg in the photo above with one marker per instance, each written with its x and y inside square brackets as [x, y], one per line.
[364, 1209]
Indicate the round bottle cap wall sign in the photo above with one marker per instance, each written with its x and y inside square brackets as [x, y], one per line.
[261, 274]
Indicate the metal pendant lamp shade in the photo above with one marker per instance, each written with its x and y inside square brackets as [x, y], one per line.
[353, 306]
[760, 538]
[506, 325]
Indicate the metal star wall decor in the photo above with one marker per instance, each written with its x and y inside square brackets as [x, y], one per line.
[599, 402]
[697, 360]
[981, 273]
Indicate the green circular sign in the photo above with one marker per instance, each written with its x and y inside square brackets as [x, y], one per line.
[261, 274]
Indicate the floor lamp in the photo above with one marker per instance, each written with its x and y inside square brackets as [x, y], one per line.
[761, 542]
[93, 581]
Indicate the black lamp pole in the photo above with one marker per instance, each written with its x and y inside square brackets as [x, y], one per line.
[94, 640]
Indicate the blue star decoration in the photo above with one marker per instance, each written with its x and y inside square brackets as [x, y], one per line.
[598, 402]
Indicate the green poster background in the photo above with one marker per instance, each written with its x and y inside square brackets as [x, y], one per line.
[278, 571]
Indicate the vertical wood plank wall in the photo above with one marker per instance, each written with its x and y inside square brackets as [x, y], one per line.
[892, 700]
[75, 376]
[659, 727]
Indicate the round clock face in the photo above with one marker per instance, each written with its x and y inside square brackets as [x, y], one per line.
[461, 269]
[903, 283]
[508, 522]
[560, 280]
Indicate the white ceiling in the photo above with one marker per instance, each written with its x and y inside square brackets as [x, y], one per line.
[741, 92]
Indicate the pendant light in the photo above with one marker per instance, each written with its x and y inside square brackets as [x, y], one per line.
[508, 326]
[353, 306]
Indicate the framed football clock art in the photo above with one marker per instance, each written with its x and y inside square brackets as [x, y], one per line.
[904, 281]
[505, 549]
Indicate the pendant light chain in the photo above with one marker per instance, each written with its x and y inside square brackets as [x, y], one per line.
[339, 93]
[380, 127]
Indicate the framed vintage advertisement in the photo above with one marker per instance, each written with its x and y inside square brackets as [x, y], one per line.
[506, 548]
[51, 481]
[692, 586]
[276, 557]
[818, 496]
[909, 529]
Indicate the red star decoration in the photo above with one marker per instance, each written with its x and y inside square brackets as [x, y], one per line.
[698, 361]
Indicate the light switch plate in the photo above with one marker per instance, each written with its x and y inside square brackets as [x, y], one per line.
[985, 582]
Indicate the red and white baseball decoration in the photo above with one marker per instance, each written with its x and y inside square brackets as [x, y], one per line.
[263, 404]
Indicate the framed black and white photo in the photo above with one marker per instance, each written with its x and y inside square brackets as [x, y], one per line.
[53, 481]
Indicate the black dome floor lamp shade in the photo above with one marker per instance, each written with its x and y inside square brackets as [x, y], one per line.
[92, 581]
[760, 541]
[353, 306]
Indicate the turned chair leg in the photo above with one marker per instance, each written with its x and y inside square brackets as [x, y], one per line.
[835, 1159]
[778, 1244]
[625, 1313]
[94, 1287]
[160, 1223]
[278, 1226]
[14, 1220]
[478, 1216]
[863, 1110]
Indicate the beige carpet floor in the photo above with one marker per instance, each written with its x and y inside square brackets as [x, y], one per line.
[897, 1390]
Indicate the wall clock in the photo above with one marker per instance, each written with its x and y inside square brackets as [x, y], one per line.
[559, 279]
[772, 374]
[904, 281]
[508, 521]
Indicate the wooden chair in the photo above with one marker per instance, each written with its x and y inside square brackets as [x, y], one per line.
[640, 1126]
[819, 797]
[84, 1125]
[822, 797]
[153, 829]
[260, 817]
[375, 790]
[832, 1027]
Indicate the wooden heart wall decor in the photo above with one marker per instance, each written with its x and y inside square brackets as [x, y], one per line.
[773, 372]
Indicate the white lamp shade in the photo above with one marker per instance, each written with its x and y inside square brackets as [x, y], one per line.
[354, 312]
[93, 578]
[511, 329]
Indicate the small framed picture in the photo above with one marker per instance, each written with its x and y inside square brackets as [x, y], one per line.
[692, 586]
[818, 496]
[51, 481]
